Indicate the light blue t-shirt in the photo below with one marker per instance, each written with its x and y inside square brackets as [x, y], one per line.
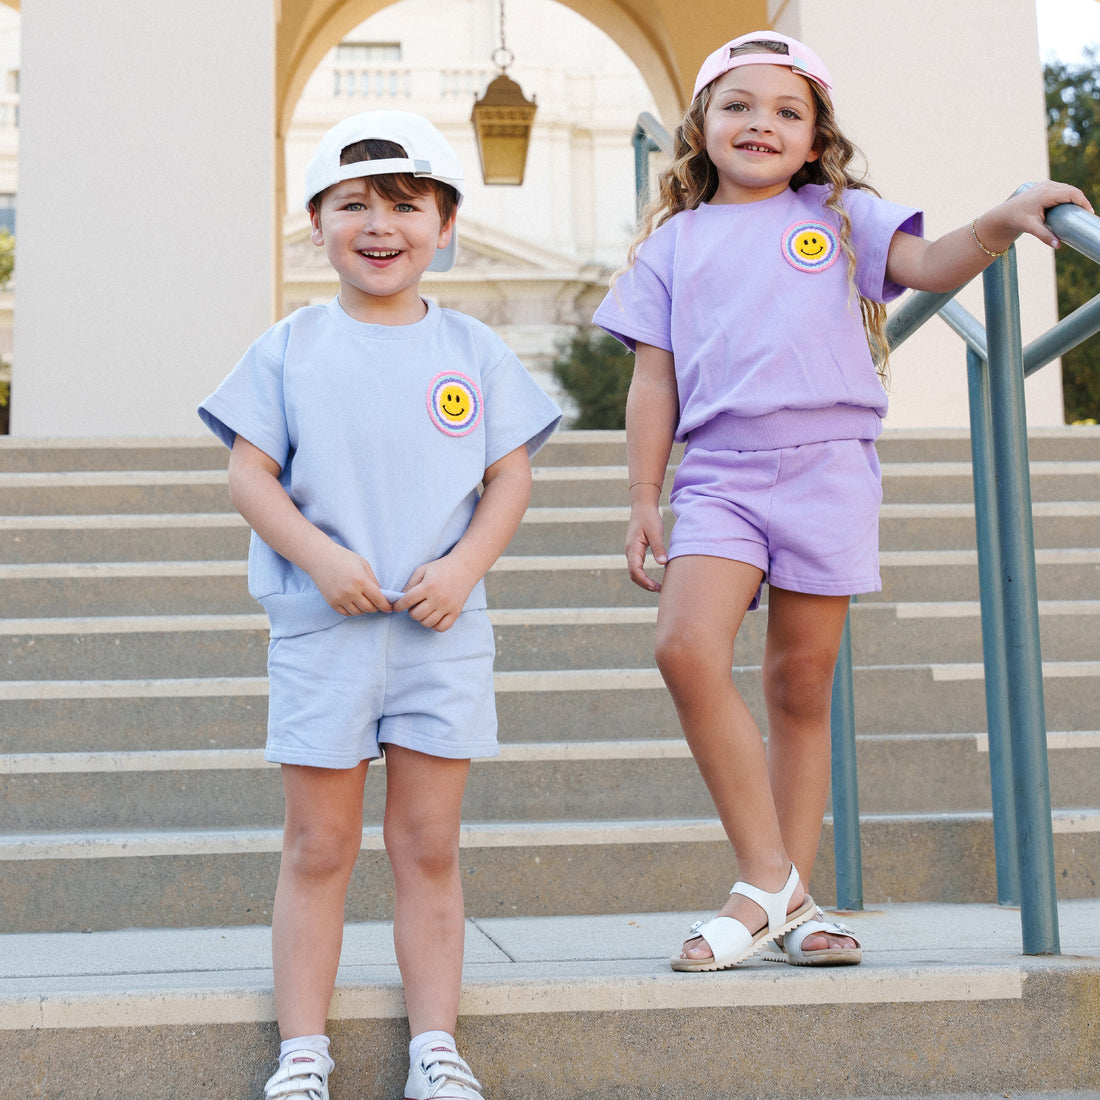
[382, 434]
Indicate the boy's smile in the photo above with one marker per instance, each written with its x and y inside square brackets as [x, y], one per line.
[759, 131]
[379, 248]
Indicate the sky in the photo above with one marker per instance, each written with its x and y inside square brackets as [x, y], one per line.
[1066, 27]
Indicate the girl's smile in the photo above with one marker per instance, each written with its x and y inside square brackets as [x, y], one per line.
[759, 131]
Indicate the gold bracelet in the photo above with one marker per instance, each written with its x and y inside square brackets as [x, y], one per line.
[633, 484]
[977, 241]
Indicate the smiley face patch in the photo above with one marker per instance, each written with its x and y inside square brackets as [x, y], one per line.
[810, 246]
[454, 403]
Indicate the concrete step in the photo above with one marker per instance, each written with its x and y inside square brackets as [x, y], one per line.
[39, 590]
[223, 536]
[965, 1012]
[105, 879]
[33, 456]
[145, 491]
[21, 455]
[571, 781]
[570, 448]
[1056, 524]
[903, 482]
[532, 638]
[210, 536]
[601, 704]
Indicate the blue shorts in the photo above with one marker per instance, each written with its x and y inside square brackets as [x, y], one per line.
[806, 516]
[337, 695]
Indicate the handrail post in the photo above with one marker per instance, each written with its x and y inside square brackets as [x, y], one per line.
[846, 842]
[1019, 595]
[643, 146]
[649, 137]
[998, 721]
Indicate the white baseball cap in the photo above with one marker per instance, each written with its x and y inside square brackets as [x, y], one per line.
[427, 153]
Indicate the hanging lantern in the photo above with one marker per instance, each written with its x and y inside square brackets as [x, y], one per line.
[502, 120]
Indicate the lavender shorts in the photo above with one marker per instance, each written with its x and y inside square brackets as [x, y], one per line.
[806, 516]
[337, 695]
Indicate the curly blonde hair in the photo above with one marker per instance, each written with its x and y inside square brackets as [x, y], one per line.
[692, 179]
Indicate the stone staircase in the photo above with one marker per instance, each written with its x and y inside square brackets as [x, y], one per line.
[140, 826]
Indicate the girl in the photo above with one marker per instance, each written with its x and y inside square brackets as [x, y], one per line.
[739, 302]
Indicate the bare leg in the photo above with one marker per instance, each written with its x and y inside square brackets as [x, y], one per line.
[322, 837]
[423, 816]
[804, 634]
[703, 601]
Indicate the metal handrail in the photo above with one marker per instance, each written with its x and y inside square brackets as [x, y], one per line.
[649, 137]
[996, 366]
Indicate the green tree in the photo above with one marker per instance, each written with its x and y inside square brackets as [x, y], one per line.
[595, 369]
[1073, 136]
[7, 257]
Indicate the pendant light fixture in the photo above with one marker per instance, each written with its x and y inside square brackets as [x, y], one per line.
[502, 120]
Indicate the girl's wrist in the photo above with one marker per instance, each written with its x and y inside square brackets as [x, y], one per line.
[980, 240]
[654, 484]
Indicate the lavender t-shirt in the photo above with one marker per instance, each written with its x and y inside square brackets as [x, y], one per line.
[754, 302]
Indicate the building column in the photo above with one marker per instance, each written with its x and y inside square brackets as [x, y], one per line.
[146, 210]
[946, 101]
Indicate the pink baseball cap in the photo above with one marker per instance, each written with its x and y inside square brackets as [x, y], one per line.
[801, 59]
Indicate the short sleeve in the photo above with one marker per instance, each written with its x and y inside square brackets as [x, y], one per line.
[874, 223]
[517, 411]
[638, 307]
[250, 403]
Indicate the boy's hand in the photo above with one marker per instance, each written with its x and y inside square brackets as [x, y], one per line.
[437, 592]
[348, 583]
[646, 529]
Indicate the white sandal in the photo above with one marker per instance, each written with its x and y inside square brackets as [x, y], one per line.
[790, 950]
[731, 942]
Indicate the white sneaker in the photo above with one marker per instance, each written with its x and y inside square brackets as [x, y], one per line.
[438, 1073]
[302, 1075]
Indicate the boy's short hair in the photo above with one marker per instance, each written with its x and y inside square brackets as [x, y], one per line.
[403, 153]
[395, 186]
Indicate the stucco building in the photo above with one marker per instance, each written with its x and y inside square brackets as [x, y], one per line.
[160, 151]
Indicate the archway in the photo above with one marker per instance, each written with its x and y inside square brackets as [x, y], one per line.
[665, 47]
[534, 260]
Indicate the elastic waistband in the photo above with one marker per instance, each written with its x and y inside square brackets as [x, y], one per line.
[786, 428]
[294, 613]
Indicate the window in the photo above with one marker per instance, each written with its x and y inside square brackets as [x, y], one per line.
[362, 53]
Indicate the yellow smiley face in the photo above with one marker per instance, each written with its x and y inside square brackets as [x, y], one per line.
[810, 244]
[454, 403]
[810, 247]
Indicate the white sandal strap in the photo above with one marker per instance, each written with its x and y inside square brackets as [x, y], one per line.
[774, 905]
[793, 940]
[725, 936]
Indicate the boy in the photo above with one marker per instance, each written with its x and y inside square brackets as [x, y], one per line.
[360, 431]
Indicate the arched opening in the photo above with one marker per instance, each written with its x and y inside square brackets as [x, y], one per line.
[533, 260]
[308, 29]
